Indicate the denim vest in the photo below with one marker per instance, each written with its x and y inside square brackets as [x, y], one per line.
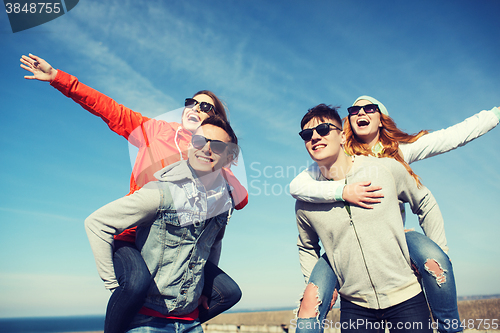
[175, 251]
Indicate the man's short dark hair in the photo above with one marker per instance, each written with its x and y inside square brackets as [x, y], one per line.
[322, 112]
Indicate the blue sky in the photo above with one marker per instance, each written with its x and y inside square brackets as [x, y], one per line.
[432, 63]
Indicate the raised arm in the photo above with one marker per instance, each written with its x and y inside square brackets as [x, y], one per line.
[306, 187]
[119, 118]
[455, 136]
[138, 208]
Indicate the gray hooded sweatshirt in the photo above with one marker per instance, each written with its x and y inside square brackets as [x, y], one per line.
[367, 247]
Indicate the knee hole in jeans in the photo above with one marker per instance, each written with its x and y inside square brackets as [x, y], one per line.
[434, 268]
[310, 302]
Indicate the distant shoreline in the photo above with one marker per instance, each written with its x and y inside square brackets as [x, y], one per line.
[460, 298]
[473, 309]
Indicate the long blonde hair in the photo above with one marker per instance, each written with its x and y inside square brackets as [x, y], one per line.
[390, 136]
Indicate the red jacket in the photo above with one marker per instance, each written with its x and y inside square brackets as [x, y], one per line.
[160, 143]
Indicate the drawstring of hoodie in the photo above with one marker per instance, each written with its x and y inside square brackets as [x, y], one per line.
[177, 143]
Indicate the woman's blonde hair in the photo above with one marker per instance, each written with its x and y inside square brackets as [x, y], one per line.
[390, 137]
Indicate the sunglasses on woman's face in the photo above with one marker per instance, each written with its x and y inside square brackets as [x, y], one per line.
[204, 106]
[369, 108]
[217, 146]
[321, 129]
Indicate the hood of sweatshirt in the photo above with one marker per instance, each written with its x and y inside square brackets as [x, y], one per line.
[175, 172]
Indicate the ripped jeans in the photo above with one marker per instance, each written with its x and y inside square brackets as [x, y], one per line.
[436, 274]
[324, 278]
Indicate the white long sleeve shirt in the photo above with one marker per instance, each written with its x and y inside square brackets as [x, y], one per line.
[304, 187]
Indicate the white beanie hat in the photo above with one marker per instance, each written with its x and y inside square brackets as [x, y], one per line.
[374, 101]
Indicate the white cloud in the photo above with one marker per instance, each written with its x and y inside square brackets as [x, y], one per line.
[39, 214]
[168, 45]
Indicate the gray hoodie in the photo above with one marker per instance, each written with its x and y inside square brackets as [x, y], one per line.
[367, 247]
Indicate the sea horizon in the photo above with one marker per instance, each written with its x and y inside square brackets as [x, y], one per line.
[95, 323]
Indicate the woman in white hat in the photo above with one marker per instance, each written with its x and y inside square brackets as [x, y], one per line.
[370, 131]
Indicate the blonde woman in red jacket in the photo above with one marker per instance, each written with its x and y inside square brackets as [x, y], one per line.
[159, 144]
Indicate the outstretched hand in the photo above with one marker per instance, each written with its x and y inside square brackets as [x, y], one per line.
[362, 194]
[41, 69]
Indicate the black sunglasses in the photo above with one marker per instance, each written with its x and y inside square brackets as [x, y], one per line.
[217, 146]
[204, 106]
[322, 129]
[369, 108]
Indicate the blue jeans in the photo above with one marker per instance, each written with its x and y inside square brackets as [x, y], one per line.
[409, 316]
[438, 280]
[221, 290]
[323, 277]
[440, 290]
[134, 279]
[146, 324]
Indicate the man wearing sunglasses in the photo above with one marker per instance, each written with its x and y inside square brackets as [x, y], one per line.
[160, 143]
[178, 217]
[365, 247]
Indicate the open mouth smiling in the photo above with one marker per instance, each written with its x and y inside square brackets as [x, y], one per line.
[362, 122]
[193, 117]
[319, 146]
[204, 159]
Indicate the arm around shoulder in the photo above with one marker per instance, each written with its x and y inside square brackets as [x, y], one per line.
[306, 188]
